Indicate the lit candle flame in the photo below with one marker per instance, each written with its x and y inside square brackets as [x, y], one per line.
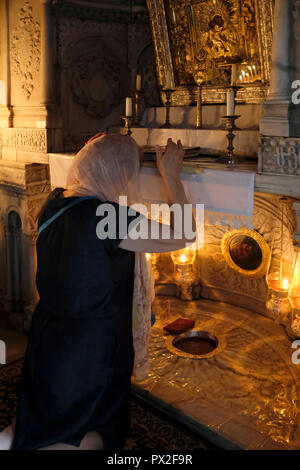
[183, 258]
[285, 284]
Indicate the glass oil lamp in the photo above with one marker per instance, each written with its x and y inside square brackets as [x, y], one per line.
[183, 272]
[294, 297]
[280, 272]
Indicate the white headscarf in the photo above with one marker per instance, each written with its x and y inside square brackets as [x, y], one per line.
[108, 167]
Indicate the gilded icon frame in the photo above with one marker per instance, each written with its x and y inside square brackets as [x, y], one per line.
[258, 240]
[185, 95]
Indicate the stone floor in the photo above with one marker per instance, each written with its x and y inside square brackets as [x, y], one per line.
[246, 396]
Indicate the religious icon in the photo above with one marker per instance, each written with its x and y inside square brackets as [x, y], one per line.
[206, 31]
[246, 251]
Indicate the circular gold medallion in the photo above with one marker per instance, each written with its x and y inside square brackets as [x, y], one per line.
[246, 251]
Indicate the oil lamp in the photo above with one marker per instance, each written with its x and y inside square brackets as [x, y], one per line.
[295, 299]
[280, 272]
[183, 272]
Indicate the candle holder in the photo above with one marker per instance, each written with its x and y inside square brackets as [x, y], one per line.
[128, 124]
[184, 272]
[278, 305]
[230, 159]
[280, 271]
[136, 119]
[168, 92]
[294, 295]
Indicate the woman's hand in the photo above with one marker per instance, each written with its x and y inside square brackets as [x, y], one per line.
[170, 163]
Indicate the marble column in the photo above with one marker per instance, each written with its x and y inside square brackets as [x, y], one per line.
[296, 236]
[280, 72]
[296, 14]
[47, 53]
[277, 119]
[5, 101]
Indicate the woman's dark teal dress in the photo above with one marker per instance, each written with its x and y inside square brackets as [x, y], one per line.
[79, 359]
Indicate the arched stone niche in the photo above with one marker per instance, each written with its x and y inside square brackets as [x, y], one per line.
[94, 77]
[217, 279]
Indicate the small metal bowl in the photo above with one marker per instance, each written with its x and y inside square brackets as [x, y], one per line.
[194, 344]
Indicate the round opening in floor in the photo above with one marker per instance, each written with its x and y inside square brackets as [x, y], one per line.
[194, 344]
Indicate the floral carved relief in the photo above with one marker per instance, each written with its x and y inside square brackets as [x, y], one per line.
[25, 49]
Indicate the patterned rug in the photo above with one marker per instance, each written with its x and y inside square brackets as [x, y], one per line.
[149, 429]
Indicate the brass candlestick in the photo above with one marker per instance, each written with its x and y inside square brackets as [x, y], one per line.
[136, 118]
[168, 93]
[230, 158]
[128, 123]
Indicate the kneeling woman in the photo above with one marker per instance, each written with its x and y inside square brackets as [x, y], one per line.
[79, 360]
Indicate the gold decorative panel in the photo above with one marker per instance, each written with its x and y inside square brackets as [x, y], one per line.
[205, 37]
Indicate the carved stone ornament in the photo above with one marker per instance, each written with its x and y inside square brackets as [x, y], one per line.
[34, 140]
[279, 155]
[210, 36]
[25, 49]
[97, 82]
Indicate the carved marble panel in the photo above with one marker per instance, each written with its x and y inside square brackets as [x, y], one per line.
[25, 49]
[34, 140]
[280, 155]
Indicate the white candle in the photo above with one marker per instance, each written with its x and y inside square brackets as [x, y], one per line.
[138, 83]
[230, 103]
[128, 112]
[233, 74]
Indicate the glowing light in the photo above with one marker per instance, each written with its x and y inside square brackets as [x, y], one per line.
[148, 256]
[285, 284]
[278, 285]
[183, 258]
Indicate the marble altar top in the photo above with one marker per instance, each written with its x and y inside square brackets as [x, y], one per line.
[246, 396]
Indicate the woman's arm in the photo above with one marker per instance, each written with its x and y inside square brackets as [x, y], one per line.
[169, 165]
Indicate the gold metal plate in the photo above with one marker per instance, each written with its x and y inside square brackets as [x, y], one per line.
[171, 344]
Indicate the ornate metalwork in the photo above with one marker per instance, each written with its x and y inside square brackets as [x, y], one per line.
[206, 37]
[195, 334]
[246, 251]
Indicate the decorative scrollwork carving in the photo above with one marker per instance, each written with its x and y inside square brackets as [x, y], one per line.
[97, 82]
[25, 49]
